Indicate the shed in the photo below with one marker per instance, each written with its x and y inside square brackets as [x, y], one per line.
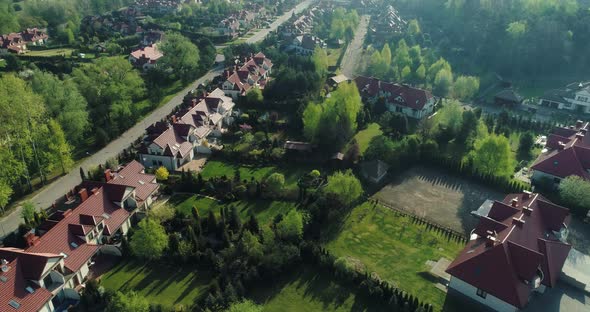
[374, 170]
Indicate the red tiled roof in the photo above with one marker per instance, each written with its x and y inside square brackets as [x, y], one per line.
[23, 267]
[133, 175]
[505, 267]
[568, 153]
[402, 95]
[59, 239]
[150, 52]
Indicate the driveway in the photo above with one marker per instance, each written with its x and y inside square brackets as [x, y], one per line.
[352, 56]
[562, 298]
[44, 198]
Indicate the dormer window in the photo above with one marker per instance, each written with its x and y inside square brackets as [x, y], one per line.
[100, 227]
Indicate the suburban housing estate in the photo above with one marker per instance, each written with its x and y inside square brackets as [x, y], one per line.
[190, 132]
[49, 272]
[516, 250]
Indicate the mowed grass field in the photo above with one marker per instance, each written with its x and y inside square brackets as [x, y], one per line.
[395, 248]
[265, 210]
[308, 289]
[67, 52]
[365, 136]
[215, 168]
[168, 286]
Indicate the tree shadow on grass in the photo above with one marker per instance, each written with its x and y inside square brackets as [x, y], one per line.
[318, 286]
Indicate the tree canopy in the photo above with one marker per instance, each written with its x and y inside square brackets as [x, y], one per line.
[181, 56]
[492, 155]
[149, 240]
[333, 122]
[575, 193]
[344, 186]
[128, 302]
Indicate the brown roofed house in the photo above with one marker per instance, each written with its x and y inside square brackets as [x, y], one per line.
[517, 249]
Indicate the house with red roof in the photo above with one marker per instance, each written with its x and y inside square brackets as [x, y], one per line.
[17, 42]
[91, 222]
[190, 132]
[146, 57]
[517, 249]
[412, 102]
[27, 280]
[566, 153]
[253, 72]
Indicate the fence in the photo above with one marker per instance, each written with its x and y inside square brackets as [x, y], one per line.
[450, 233]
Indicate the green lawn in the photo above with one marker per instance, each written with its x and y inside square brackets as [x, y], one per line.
[51, 52]
[265, 210]
[309, 290]
[215, 168]
[168, 286]
[364, 137]
[333, 56]
[395, 248]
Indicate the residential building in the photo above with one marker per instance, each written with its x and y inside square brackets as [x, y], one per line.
[516, 250]
[229, 27]
[29, 281]
[189, 133]
[145, 58]
[306, 44]
[508, 97]
[575, 97]
[17, 42]
[252, 72]
[60, 251]
[566, 153]
[412, 102]
[158, 6]
[386, 23]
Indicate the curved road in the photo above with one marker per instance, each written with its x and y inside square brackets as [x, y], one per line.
[46, 196]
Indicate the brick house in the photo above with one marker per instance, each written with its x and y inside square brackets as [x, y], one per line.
[412, 102]
[252, 72]
[566, 153]
[17, 42]
[60, 251]
[517, 249]
[190, 132]
[146, 57]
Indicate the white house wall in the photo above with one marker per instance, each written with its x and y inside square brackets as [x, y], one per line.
[489, 301]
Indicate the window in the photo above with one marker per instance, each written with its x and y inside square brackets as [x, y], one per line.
[100, 226]
[481, 293]
[90, 236]
[582, 98]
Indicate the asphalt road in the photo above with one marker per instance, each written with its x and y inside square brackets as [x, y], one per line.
[352, 56]
[46, 197]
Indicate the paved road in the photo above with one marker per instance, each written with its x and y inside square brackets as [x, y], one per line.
[58, 188]
[352, 56]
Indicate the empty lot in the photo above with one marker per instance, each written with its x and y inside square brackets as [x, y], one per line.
[437, 196]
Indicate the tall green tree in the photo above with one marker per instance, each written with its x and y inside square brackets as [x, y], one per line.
[149, 240]
[128, 302]
[58, 147]
[443, 82]
[575, 193]
[180, 55]
[492, 155]
[333, 122]
[465, 87]
[64, 103]
[344, 186]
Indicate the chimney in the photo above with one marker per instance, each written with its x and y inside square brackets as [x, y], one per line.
[173, 119]
[107, 175]
[31, 239]
[518, 221]
[580, 135]
[526, 194]
[583, 131]
[514, 202]
[83, 194]
[194, 103]
[490, 239]
[579, 124]
[94, 191]
[527, 210]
